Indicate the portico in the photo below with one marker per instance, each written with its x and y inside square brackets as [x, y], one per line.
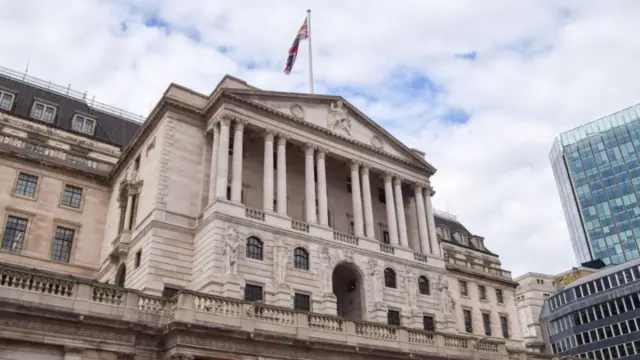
[282, 160]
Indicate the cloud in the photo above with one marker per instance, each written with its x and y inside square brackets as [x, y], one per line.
[482, 87]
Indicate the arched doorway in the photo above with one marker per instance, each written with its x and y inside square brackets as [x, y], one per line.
[121, 275]
[348, 287]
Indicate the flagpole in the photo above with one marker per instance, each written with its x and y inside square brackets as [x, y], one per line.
[310, 54]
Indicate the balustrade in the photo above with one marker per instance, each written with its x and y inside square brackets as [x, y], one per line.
[118, 304]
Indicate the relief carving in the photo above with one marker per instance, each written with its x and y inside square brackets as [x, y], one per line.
[231, 244]
[447, 303]
[375, 276]
[338, 118]
[410, 285]
[297, 111]
[280, 260]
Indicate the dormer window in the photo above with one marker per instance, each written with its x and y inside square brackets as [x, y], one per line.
[43, 112]
[445, 234]
[84, 124]
[464, 239]
[6, 100]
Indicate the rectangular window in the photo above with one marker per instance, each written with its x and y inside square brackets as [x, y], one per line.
[84, 124]
[169, 291]
[62, 243]
[136, 163]
[6, 100]
[134, 211]
[486, 322]
[428, 323]
[26, 185]
[382, 197]
[72, 196]
[468, 324]
[463, 288]
[482, 292]
[349, 184]
[138, 258]
[385, 237]
[352, 228]
[499, 296]
[302, 302]
[123, 213]
[393, 317]
[252, 292]
[14, 233]
[43, 112]
[504, 324]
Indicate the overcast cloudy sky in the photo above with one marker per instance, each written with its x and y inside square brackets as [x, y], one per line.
[483, 87]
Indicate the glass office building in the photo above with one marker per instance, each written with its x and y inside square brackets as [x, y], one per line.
[597, 171]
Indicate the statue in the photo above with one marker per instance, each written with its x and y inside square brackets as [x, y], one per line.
[326, 271]
[339, 118]
[446, 300]
[232, 241]
[280, 260]
[375, 275]
[410, 285]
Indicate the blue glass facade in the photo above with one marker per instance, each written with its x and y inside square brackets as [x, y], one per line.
[597, 171]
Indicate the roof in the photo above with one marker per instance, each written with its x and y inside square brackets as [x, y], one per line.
[451, 222]
[604, 272]
[110, 128]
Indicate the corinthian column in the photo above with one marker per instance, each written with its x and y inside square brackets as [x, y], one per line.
[215, 146]
[356, 199]
[422, 220]
[322, 188]
[310, 188]
[222, 173]
[282, 175]
[236, 175]
[267, 172]
[431, 222]
[402, 221]
[392, 224]
[366, 202]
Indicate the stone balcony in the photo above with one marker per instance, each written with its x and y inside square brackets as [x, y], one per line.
[52, 153]
[21, 288]
[463, 265]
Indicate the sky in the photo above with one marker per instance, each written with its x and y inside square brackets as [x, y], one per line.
[483, 87]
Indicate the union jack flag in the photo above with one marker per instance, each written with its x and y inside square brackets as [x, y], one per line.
[303, 34]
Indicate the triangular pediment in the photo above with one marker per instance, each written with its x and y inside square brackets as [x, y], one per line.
[335, 114]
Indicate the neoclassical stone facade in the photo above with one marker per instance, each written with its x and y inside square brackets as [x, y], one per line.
[243, 224]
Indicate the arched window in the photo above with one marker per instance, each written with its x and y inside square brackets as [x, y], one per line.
[121, 276]
[389, 278]
[423, 285]
[301, 259]
[254, 248]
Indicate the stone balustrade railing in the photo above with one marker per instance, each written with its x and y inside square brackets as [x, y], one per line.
[478, 267]
[119, 304]
[39, 149]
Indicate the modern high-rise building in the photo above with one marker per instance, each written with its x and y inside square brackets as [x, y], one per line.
[597, 172]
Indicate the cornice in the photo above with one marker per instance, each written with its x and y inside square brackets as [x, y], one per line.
[424, 167]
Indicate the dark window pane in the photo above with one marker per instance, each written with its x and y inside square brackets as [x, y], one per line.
[393, 317]
[72, 196]
[302, 302]
[428, 323]
[14, 232]
[389, 278]
[301, 259]
[252, 292]
[26, 185]
[254, 248]
[62, 243]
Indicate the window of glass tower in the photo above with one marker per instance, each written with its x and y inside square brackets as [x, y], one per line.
[605, 172]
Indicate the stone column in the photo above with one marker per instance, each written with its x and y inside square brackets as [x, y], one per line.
[422, 220]
[236, 170]
[267, 173]
[310, 188]
[366, 202]
[431, 222]
[402, 221]
[222, 173]
[356, 199]
[282, 175]
[392, 224]
[322, 188]
[215, 147]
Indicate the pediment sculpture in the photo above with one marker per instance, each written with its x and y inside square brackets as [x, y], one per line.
[338, 118]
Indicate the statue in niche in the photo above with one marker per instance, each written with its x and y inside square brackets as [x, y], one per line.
[325, 270]
[339, 118]
[375, 274]
[231, 244]
[280, 260]
[446, 300]
[410, 285]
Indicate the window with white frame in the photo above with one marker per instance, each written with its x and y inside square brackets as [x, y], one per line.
[43, 112]
[84, 124]
[6, 100]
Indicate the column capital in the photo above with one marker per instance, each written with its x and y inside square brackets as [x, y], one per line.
[282, 139]
[321, 153]
[269, 135]
[429, 191]
[355, 165]
[387, 177]
[397, 180]
[225, 120]
[309, 148]
[418, 186]
[239, 124]
[364, 168]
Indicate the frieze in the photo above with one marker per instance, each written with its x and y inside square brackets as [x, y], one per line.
[58, 328]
